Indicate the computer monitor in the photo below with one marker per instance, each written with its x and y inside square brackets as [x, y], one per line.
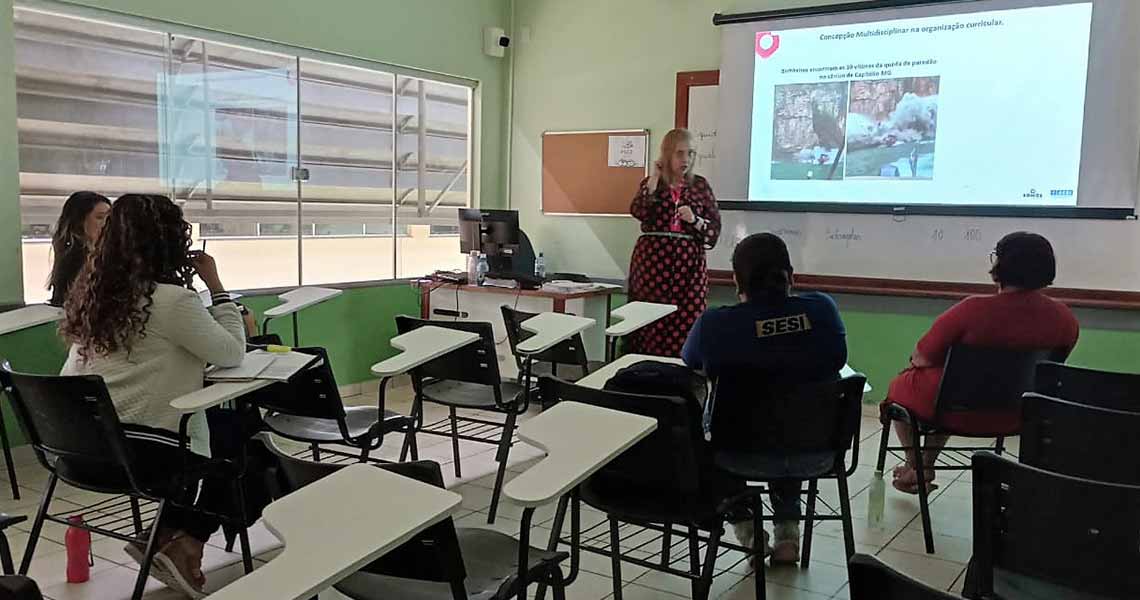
[492, 232]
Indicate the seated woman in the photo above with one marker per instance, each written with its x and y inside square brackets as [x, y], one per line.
[778, 336]
[1018, 316]
[134, 320]
[76, 231]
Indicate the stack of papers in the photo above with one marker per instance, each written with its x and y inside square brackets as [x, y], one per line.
[259, 364]
[510, 284]
[569, 287]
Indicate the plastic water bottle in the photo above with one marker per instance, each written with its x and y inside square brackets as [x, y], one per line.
[472, 266]
[877, 499]
[481, 269]
[540, 267]
[78, 545]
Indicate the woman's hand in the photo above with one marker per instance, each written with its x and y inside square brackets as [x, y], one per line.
[654, 177]
[686, 214]
[207, 269]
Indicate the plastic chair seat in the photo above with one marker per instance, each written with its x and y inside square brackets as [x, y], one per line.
[489, 558]
[769, 466]
[632, 505]
[462, 394]
[359, 420]
[566, 372]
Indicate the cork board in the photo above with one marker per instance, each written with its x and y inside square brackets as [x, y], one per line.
[577, 178]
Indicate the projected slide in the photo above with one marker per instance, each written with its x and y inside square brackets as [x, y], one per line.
[980, 108]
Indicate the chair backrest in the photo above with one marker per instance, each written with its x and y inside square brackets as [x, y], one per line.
[473, 363]
[310, 393]
[984, 379]
[1065, 531]
[72, 418]
[871, 579]
[669, 459]
[748, 416]
[1106, 389]
[567, 352]
[432, 555]
[1080, 440]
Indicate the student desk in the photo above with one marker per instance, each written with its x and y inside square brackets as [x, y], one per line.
[420, 346]
[473, 303]
[598, 379]
[549, 329]
[28, 316]
[560, 432]
[335, 526]
[634, 316]
[293, 302]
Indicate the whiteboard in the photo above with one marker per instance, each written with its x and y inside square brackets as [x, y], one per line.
[1092, 254]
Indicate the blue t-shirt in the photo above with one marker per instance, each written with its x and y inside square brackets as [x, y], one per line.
[799, 339]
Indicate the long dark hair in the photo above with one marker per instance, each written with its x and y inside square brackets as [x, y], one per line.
[762, 267]
[69, 242]
[145, 242]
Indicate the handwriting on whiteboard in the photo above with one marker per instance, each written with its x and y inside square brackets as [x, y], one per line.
[845, 236]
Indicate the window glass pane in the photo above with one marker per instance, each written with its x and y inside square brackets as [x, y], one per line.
[87, 119]
[435, 173]
[346, 144]
[230, 118]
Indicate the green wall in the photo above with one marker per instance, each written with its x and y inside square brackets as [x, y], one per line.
[442, 36]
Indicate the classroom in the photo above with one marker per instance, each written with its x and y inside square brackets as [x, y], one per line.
[594, 299]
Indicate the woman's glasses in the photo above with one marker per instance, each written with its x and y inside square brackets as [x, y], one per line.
[993, 257]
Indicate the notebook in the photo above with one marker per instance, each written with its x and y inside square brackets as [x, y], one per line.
[259, 364]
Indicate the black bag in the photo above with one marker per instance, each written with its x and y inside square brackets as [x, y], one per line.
[653, 378]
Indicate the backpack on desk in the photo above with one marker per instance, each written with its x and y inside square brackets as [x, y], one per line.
[652, 378]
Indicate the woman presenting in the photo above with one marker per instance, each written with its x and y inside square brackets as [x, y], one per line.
[679, 221]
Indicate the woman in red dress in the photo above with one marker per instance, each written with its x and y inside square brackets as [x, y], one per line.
[1019, 316]
[679, 222]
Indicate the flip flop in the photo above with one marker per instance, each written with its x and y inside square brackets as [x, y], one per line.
[912, 486]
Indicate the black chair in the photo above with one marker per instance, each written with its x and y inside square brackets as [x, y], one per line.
[76, 435]
[871, 579]
[798, 433]
[1080, 440]
[308, 409]
[6, 446]
[18, 587]
[7, 521]
[976, 381]
[465, 378]
[441, 562]
[1106, 389]
[571, 354]
[1044, 535]
[663, 484]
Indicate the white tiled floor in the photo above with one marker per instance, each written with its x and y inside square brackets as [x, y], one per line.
[897, 539]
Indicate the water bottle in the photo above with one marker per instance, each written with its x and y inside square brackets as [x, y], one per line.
[472, 266]
[877, 499]
[481, 269]
[540, 267]
[78, 545]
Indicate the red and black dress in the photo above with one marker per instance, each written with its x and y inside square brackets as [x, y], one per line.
[668, 264]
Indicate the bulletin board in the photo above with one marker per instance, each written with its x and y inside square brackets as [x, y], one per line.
[592, 173]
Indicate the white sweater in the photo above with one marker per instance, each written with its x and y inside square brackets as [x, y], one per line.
[181, 337]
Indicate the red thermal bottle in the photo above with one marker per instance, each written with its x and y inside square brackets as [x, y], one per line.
[77, 541]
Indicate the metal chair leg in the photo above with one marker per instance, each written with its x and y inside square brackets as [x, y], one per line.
[711, 552]
[316, 452]
[243, 535]
[455, 441]
[666, 544]
[999, 445]
[148, 556]
[923, 492]
[6, 555]
[501, 456]
[884, 439]
[694, 561]
[809, 523]
[8, 457]
[758, 549]
[845, 514]
[615, 558]
[38, 525]
[136, 516]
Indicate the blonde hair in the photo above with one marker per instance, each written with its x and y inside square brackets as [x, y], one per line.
[668, 146]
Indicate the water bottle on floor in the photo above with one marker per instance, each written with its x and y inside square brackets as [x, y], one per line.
[77, 542]
[877, 499]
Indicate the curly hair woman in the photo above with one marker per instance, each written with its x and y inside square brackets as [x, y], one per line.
[75, 233]
[133, 319]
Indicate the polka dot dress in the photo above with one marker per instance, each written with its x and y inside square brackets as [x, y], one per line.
[671, 270]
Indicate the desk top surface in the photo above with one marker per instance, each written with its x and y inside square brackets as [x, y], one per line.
[608, 290]
[28, 316]
[579, 439]
[216, 394]
[300, 298]
[549, 329]
[364, 512]
[421, 345]
[636, 315]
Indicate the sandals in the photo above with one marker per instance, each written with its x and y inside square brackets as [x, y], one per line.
[906, 480]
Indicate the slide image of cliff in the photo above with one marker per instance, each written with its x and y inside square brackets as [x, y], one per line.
[891, 127]
[808, 131]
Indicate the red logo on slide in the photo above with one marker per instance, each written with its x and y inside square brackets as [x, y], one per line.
[767, 43]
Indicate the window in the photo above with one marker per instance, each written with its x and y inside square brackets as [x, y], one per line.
[294, 170]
